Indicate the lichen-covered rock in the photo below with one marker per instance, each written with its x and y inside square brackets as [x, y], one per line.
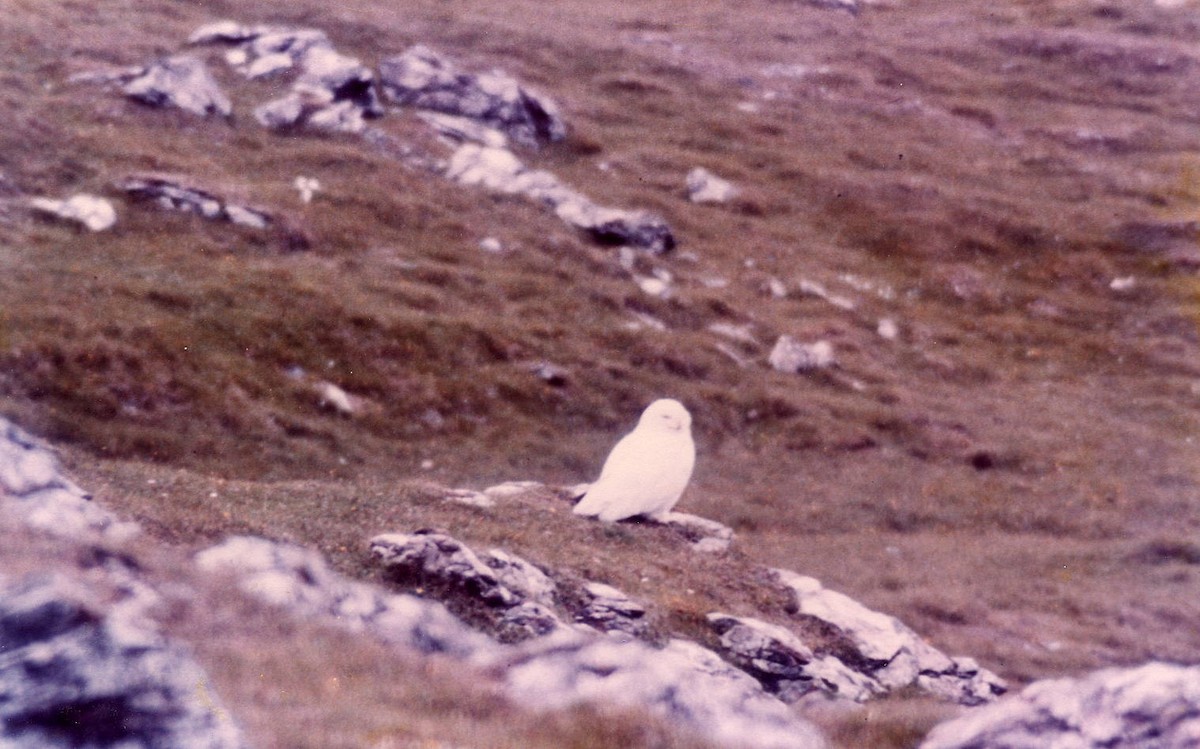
[708, 536]
[683, 682]
[92, 212]
[422, 78]
[298, 579]
[173, 194]
[784, 664]
[34, 488]
[499, 170]
[1152, 706]
[894, 655]
[73, 674]
[182, 81]
[444, 560]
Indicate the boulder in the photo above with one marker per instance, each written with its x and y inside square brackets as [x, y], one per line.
[707, 536]
[422, 78]
[75, 673]
[608, 609]
[1155, 705]
[34, 488]
[299, 580]
[92, 212]
[705, 187]
[182, 81]
[889, 652]
[683, 682]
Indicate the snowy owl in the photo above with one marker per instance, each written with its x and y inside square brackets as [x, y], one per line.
[648, 469]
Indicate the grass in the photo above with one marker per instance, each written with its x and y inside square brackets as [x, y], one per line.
[963, 168]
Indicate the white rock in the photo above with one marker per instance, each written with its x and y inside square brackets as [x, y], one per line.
[334, 396]
[491, 244]
[705, 187]
[182, 81]
[789, 355]
[307, 187]
[1126, 283]
[888, 329]
[271, 64]
[95, 213]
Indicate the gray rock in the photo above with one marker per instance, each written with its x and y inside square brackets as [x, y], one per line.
[710, 536]
[608, 609]
[500, 170]
[94, 213]
[422, 78]
[464, 129]
[784, 664]
[73, 674]
[790, 355]
[33, 487]
[444, 560]
[299, 580]
[894, 655]
[523, 578]
[169, 193]
[1152, 706]
[683, 682]
[705, 187]
[182, 81]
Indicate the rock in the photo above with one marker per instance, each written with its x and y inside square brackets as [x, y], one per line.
[683, 682]
[608, 609]
[708, 536]
[705, 187]
[436, 557]
[299, 580]
[500, 170]
[784, 664]
[333, 396]
[94, 213]
[307, 187]
[511, 489]
[789, 355]
[76, 675]
[182, 81]
[888, 329]
[470, 498]
[521, 577]
[422, 78]
[1155, 705]
[33, 487]
[891, 652]
[172, 194]
[465, 130]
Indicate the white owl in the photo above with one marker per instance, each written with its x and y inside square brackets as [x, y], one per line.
[647, 471]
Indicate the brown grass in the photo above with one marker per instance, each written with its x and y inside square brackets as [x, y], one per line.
[998, 477]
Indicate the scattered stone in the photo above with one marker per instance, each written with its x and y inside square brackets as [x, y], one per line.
[334, 397]
[1125, 283]
[705, 187]
[182, 81]
[299, 580]
[470, 498]
[784, 664]
[789, 355]
[307, 187]
[551, 374]
[500, 170]
[655, 287]
[1155, 705]
[74, 674]
[896, 656]
[172, 194]
[708, 536]
[888, 329]
[511, 489]
[33, 487]
[422, 78]
[683, 682]
[777, 288]
[94, 213]
[739, 333]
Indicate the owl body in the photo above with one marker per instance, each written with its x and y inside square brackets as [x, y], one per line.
[647, 470]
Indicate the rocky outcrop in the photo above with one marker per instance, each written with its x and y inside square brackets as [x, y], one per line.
[75, 674]
[182, 81]
[34, 488]
[422, 78]
[790, 355]
[891, 655]
[90, 211]
[1155, 705]
[300, 580]
[682, 682]
[172, 194]
[499, 170]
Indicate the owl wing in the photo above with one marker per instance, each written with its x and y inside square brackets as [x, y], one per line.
[645, 472]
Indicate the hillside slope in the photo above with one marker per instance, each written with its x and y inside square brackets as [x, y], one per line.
[1015, 474]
